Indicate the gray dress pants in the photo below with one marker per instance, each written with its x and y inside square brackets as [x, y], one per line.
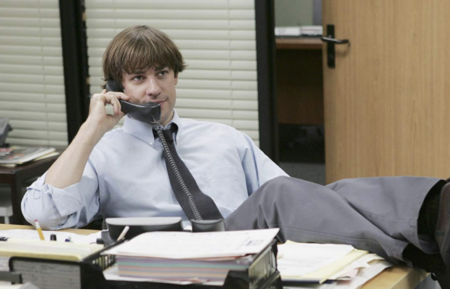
[375, 214]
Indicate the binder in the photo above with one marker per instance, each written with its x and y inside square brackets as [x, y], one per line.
[88, 273]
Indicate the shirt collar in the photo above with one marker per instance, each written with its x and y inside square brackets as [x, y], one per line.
[144, 131]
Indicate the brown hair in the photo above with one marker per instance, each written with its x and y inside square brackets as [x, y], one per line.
[140, 48]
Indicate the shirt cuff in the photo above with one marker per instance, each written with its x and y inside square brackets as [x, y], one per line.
[67, 201]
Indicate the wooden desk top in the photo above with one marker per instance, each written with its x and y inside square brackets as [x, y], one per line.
[392, 278]
[299, 43]
[396, 278]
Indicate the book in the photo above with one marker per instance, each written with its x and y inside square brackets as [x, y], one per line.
[16, 155]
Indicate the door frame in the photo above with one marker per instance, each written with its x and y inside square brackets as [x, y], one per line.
[265, 62]
[75, 64]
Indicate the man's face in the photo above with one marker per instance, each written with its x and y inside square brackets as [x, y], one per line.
[154, 85]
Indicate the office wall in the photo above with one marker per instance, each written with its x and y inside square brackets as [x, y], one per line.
[294, 12]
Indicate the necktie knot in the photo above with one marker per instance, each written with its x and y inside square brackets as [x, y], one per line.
[168, 133]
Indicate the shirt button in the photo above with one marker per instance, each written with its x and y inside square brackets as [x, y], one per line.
[151, 143]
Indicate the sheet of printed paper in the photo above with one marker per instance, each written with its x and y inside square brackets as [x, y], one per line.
[363, 262]
[296, 259]
[186, 245]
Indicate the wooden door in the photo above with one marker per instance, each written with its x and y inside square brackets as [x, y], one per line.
[387, 102]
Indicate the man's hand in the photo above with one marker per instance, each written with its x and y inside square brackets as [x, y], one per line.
[98, 118]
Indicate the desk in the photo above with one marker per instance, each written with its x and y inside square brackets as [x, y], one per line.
[15, 177]
[392, 278]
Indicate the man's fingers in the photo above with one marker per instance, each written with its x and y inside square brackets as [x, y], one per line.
[108, 97]
[117, 107]
[117, 94]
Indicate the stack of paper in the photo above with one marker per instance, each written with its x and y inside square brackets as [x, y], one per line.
[195, 270]
[178, 257]
[315, 30]
[313, 262]
[305, 263]
[288, 31]
[297, 31]
[17, 155]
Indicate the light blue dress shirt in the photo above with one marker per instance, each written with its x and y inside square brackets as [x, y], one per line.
[126, 175]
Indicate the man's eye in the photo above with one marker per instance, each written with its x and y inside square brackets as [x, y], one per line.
[138, 78]
[163, 73]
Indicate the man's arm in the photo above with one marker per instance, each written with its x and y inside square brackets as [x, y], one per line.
[68, 169]
[66, 196]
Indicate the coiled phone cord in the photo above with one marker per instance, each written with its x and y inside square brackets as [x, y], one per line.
[174, 167]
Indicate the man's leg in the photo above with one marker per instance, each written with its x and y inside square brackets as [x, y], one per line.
[375, 214]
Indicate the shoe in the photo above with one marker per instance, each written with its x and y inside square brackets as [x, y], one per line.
[443, 279]
[442, 237]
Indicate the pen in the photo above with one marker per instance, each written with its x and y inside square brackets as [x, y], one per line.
[39, 230]
[124, 232]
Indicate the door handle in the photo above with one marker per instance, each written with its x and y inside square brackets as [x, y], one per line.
[331, 42]
[334, 40]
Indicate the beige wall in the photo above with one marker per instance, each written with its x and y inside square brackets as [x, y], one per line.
[293, 12]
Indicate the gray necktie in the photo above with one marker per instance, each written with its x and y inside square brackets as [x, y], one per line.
[194, 202]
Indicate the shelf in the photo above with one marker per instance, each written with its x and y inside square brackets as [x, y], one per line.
[299, 43]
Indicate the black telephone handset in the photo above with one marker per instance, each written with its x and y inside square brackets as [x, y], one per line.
[149, 112]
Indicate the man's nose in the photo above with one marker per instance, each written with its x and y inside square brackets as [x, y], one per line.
[153, 88]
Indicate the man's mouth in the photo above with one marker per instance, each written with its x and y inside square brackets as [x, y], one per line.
[160, 102]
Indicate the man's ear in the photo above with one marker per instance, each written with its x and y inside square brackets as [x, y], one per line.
[176, 78]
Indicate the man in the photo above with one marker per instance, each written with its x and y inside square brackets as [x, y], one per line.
[123, 173]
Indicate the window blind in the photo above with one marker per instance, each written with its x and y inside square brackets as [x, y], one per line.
[217, 40]
[31, 72]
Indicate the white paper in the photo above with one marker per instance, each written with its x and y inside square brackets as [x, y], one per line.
[362, 262]
[89, 239]
[185, 245]
[288, 31]
[364, 275]
[8, 285]
[296, 259]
